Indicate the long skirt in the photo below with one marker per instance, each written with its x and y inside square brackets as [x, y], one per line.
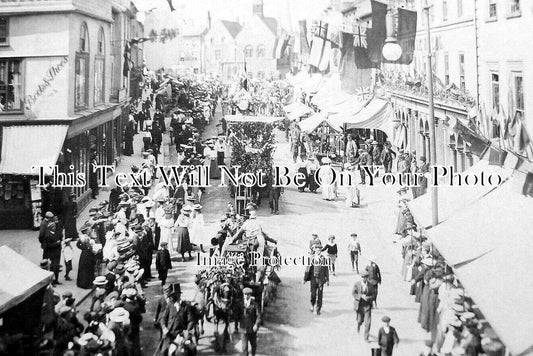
[214, 171]
[313, 185]
[220, 158]
[424, 313]
[181, 241]
[86, 267]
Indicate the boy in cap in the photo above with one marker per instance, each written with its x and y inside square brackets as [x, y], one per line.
[251, 319]
[163, 262]
[68, 255]
[387, 337]
[318, 274]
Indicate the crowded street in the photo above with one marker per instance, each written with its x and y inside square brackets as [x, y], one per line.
[265, 177]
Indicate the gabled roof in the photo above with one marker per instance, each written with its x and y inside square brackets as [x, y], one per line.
[233, 27]
[272, 24]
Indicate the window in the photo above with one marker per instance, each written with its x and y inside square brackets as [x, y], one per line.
[446, 69]
[462, 83]
[4, 31]
[99, 69]
[222, 39]
[82, 70]
[10, 85]
[459, 8]
[519, 94]
[495, 90]
[515, 7]
[444, 10]
[217, 54]
[260, 51]
[492, 9]
[248, 51]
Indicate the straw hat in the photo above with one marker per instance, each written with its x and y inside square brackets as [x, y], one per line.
[100, 281]
[119, 315]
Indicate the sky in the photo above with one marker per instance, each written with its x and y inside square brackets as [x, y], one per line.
[288, 12]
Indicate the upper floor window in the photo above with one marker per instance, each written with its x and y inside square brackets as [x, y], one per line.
[101, 44]
[248, 51]
[459, 8]
[260, 51]
[84, 39]
[462, 83]
[217, 54]
[10, 85]
[222, 39]
[515, 7]
[99, 69]
[519, 94]
[4, 30]
[492, 9]
[495, 90]
[446, 69]
[444, 10]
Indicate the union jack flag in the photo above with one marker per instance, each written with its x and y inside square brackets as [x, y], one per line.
[359, 37]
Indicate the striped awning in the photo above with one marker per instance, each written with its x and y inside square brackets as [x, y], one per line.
[25, 146]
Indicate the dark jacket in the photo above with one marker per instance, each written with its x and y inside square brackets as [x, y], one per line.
[374, 274]
[387, 341]
[358, 292]
[251, 316]
[162, 260]
[321, 273]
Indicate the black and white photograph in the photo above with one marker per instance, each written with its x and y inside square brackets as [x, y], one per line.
[266, 177]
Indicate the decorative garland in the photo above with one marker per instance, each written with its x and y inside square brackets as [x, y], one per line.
[253, 147]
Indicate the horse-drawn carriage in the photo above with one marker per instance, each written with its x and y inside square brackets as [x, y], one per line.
[223, 283]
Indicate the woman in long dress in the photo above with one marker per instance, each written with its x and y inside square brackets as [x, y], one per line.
[327, 176]
[197, 231]
[181, 228]
[86, 263]
[166, 225]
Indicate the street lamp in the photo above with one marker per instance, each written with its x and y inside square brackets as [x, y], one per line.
[391, 50]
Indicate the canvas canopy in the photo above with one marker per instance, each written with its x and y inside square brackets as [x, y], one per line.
[376, 114]
[19, 279]
[311, 123]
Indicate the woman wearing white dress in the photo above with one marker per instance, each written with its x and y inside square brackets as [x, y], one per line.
[197, 231]
[166, 226]
[327, 183]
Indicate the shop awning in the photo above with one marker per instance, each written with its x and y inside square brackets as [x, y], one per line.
[294, 106]
[453, 198]
[299, 112]
[19, 279]
[311, 123]
[245, 118]
[376, 114]
[488, 244]
[25, 146]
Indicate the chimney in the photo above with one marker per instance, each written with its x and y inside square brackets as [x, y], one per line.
[258, 8]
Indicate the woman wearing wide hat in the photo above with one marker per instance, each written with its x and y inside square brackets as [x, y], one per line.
[181, 242]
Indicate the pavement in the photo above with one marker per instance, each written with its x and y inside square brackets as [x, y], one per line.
[289, 328]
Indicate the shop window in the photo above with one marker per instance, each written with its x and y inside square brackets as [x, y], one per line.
[4, 31]
[10, 85]
[99, 69]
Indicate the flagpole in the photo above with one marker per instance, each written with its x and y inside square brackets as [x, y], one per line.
[431, 109]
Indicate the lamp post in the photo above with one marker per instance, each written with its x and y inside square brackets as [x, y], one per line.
[431, 109]
[391, 49]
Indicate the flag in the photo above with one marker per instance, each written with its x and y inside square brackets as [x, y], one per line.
[304, 44]
[139, 40]
[359, 37]
[377, 34]
[326, 56]
[521, 139]
[355, 68]
[127, 60]
[170, 5]
[406, 35]
[320, 47]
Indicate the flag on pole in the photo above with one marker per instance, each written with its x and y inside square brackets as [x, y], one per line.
[376, 36]
[521, 139]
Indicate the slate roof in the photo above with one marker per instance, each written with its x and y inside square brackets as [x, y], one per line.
[233, 27]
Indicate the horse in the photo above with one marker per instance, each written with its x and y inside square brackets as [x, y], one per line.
[221, 306]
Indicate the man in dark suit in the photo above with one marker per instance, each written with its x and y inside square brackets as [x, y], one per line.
[176, 319]
[374, 276]
[363, 294]
[318, 275]
[251, 318]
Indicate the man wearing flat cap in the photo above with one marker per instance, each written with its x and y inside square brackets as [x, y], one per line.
[318, 274]
[251, 319]
[387, 337]
[363, 293]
